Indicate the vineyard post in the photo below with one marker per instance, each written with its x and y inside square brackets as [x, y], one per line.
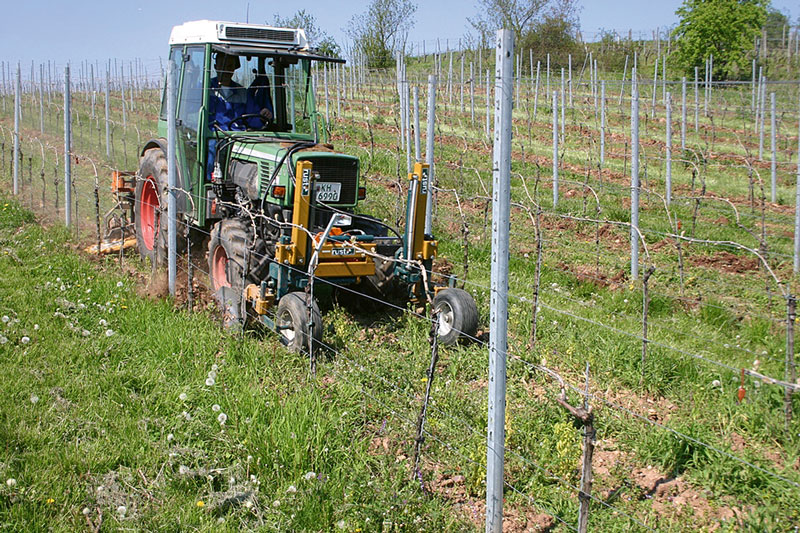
[67, 150]
[791, 369]
[602, 123]
[429, 143]
[3, 91]
[338, 90]
[762, 112]
[501, 200]
[172, 199]
[555, 149]
[634, 178]
[327, 104]
[536, 90]
[563, 95]
[773, 171]
[753, 89]
[796, 267]
[17, 110]
[471, 93]
[108, 126]
[710, 79]
[548, 75]
[569, 78]
[669, 147]
[461, 87]
[41, 99]
[655, 82]
[488, 109]
[417, 151]
[683, 113]
[622, 83]
[696, 99]
[758, 100]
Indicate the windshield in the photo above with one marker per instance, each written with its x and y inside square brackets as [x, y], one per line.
[275, 87]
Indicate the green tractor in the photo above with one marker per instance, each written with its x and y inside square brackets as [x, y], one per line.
[280, 204]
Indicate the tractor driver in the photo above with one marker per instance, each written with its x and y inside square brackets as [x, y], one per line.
[229, 100]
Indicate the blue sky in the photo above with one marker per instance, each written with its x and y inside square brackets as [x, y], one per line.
[93, 30]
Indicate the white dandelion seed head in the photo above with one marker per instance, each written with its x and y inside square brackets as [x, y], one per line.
[212, 375]
[183, 470]
[109, 332]
[187, 415]
[34, 399]
[86, 333]
[36, 327]
[310, 475]
[276, 503]
[215, 408]
[121, 510]
[341, 524]
[86, 511]
[3, 340]
[25, 340]
[222, 418]
[292, 489]
[119, 284]
[715, 383]
[103, 322]
[170, 437]
[231, 480]
[11, 482]
[182, 396]
[249, 458]
[100, 488]
[63, 288]
[5, 319]
[214, 367]
[248, 504]
[210, 382]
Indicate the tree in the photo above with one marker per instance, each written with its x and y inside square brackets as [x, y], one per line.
[545, 26]
[775, 26]
[317, 37]
[382, 30]
[722, 28]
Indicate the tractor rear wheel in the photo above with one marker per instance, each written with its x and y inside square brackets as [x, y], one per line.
[292, 321]
[150, 207]
[230, 245]
[457, 315]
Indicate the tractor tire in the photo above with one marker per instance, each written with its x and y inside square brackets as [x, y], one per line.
[230, 245]
[150, 208]
[457, 315]
[292, 321]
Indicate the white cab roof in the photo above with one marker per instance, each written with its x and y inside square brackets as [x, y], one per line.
[220, 32]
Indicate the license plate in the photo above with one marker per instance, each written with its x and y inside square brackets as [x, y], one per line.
[328, 191]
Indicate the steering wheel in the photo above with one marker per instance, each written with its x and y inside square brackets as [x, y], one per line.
[247, 116]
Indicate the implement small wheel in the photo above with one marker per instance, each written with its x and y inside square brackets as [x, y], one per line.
[457, 315]
[292, 321]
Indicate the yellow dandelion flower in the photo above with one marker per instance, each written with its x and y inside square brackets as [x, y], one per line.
[201, 503]
[50, 501]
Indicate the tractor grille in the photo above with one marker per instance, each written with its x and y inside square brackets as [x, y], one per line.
[264, 174]
[260, 34]
[341, 170]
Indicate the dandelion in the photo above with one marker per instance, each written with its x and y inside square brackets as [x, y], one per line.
[212, 375]
[100, 488]
[86, 333]
[170, 437]
[249, 458]
[248, 504]
[182, 396]
[109, 332]
[186, 415]
[103, 322]
[5, 319]
[34, 399]
[183, 470]
[119, 284]
[36, 327]
[3, 340]
[222, 418]
[214, 367]
[50, 501]
[11, 482]
[310, 475]
[276, 504]
[200, 503]
[210, 382]
[86, 511]
[25, 340]
[756, 364]
[715, 383]
[215, 408]
[341, 524]
[121, 510]
[292, 489]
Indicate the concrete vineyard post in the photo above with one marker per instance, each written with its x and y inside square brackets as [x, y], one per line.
[67, 151]
[172, 200]
[429, 143]
[634, 180]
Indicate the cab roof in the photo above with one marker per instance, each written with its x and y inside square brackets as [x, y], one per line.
[237, 33]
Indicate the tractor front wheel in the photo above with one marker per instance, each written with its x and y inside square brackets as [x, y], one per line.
[292, 321]
[457, 315]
